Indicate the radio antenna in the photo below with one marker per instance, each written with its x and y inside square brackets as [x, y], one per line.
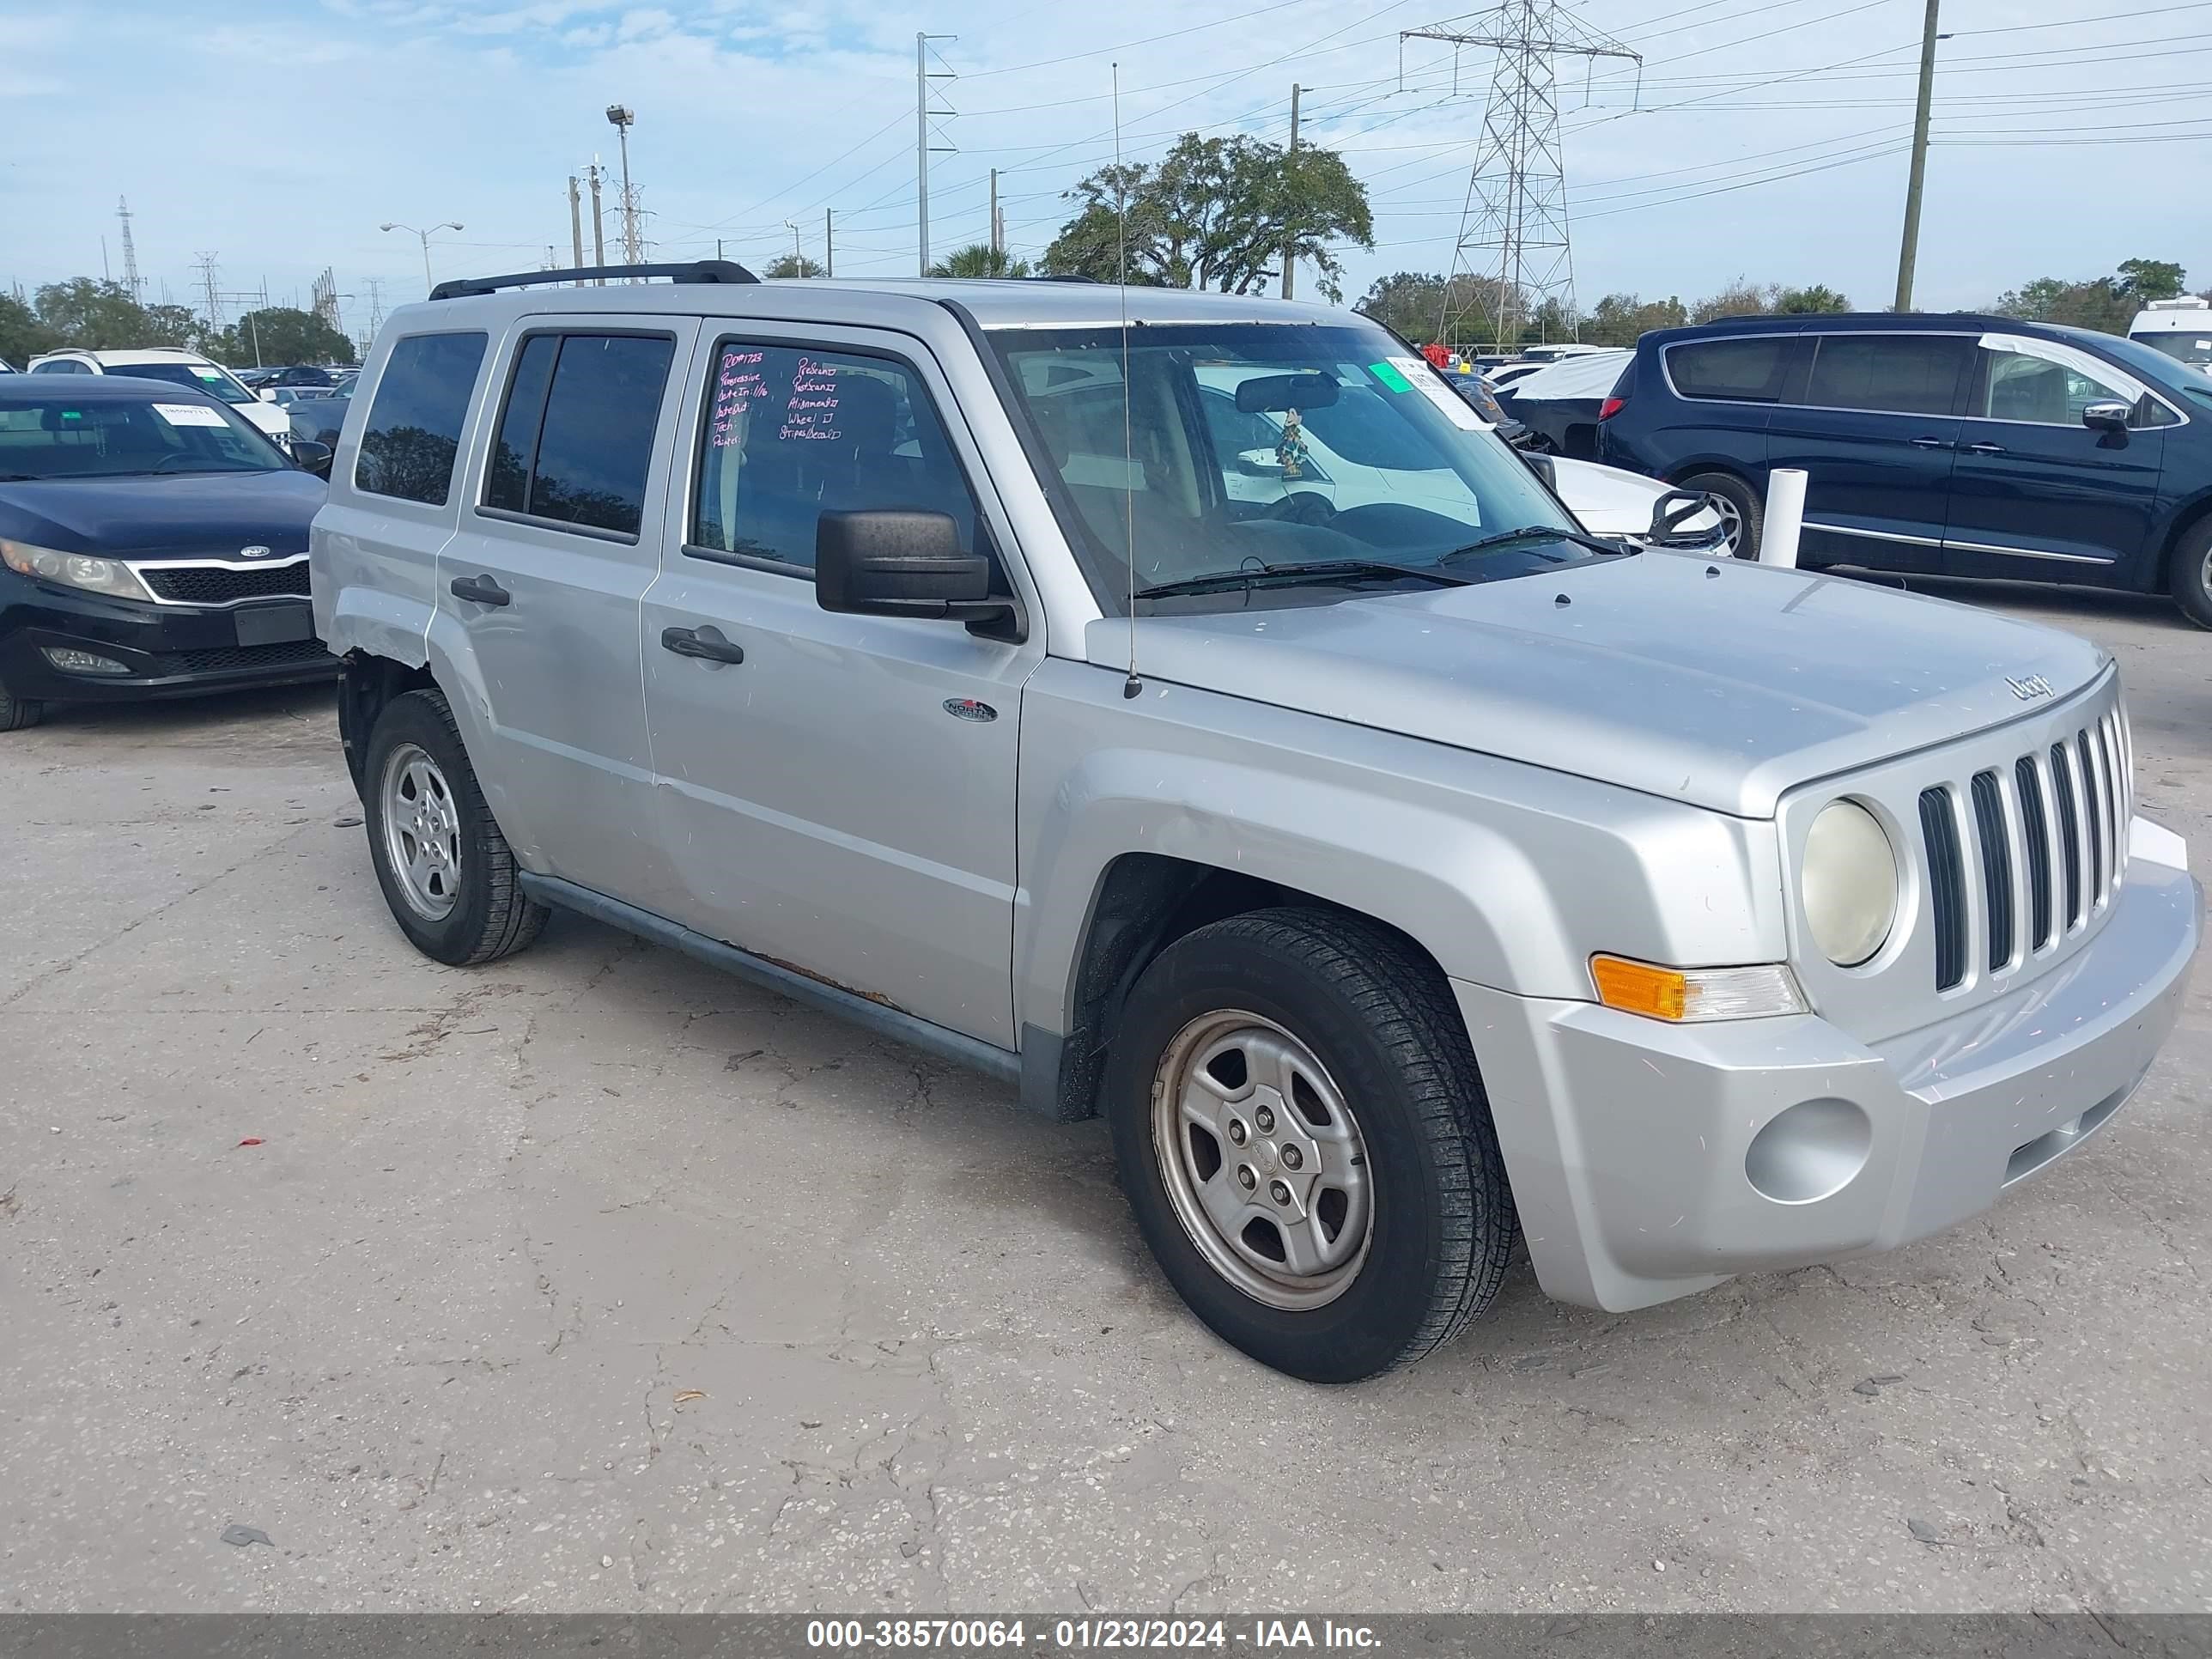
[1132, 686]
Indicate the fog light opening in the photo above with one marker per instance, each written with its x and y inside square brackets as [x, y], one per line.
[72, 661]
[1812, 1150]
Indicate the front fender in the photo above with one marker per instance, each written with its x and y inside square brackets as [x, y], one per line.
[1509, 875]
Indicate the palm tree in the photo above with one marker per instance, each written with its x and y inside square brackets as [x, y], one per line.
[980, 259]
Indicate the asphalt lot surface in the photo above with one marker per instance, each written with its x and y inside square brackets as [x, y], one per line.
[596, 1280]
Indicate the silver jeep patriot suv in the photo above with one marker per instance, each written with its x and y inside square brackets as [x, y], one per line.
[1400, 870]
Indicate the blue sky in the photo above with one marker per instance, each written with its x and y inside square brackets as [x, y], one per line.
[1764, 139]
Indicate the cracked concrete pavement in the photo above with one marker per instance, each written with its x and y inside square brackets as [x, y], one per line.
[594, 1280]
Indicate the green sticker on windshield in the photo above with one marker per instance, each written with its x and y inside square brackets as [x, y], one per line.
[1388, 374]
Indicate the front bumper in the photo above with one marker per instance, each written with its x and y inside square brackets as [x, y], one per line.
[171, 651]
[1649, 1161]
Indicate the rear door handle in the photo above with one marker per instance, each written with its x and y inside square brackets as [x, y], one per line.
[480, 590]
[705, 643]
[1985, 449]
[1931, 443]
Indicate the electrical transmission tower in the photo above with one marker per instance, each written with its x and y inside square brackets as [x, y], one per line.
[132, 280]
[325, 302]
[1513, 260]
[207, 274]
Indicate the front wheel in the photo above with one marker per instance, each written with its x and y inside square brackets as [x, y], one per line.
[2191, 575]
[17, 713]
[1743, 515]
[1302, 1132]
[447, 871]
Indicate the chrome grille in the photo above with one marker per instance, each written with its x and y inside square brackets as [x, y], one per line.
[2049, 836]
[213, 584]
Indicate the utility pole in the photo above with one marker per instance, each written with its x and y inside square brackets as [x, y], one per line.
[1908, 254]
[1513, 229]
[130, 277]
[576, 224]
[797, 254]
[207, 282]
[923, 74]
[828, 242]
[599, 225]
[1290, 236]
[998, 226]
[623, 119]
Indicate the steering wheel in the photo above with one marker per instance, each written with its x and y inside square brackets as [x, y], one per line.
[1301, 507]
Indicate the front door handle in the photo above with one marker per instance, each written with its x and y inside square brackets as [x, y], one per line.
[1929, 443]
[705, 643]
[480, 590]
[1985, 449]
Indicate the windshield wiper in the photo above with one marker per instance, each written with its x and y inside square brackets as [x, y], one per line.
[1537, 532]
[1305, 570]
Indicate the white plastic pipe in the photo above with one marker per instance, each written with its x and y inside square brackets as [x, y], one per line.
[1785, 517]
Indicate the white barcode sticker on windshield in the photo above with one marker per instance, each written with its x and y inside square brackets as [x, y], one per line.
[190, 415]
[1431, 386]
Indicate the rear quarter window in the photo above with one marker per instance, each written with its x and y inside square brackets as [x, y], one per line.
[413, 434]
[1748, 371]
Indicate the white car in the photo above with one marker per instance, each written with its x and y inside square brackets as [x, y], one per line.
[1607, 501]
[173, 364]
[2180, 328]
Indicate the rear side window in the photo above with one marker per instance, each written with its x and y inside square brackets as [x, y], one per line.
[414, 431]
[1889, 373]
[791, 434]
[576, 439]
[1748, 371]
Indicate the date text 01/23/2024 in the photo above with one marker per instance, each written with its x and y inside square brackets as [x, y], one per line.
[1258, 1636]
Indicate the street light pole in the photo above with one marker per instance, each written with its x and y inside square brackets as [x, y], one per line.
[623, 119]
[428, 281]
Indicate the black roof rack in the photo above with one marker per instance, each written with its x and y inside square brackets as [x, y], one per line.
[691, 270]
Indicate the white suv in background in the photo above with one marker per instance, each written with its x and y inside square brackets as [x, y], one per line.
[184, 367]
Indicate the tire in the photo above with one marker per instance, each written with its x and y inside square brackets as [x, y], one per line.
[1375, 1044]
[17, 713]
[1739, 498]
[2190, 574]
[458, 901]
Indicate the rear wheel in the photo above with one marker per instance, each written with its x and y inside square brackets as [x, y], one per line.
[1302, 1135]
[16, 713]
[1743, 515]
[2190, 577]
[446, 872]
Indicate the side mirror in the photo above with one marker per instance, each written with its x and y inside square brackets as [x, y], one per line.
[2105, 417]
[312, 457]
[1670, 512]
[267, 394]
[1540, 463]
[1259, 464]
[901, 563]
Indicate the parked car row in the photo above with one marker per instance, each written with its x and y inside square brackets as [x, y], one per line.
[1958, 444]
[176, 366]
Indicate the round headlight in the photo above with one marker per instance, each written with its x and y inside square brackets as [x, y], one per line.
[1848, 883]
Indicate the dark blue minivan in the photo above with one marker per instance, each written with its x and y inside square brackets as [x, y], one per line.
[1960, 446]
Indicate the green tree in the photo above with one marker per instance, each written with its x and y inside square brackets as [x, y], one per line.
[1619, 318]
[22, 336]
[280, 334]
[1797, 301]
[92, 316]
[980, 259]
[1741, 298]
[2104, 303]
[792, 265]
[1216, 213]
[2146, 280]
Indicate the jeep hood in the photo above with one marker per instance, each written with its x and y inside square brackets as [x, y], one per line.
[1723, 684]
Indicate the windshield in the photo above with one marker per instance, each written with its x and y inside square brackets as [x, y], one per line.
[2192, 346]
[1253, 446]
[201, 377]
[63, 437]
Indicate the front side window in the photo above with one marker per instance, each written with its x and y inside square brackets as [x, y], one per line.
[414, 432]
[63, 437]
[576, 439]
[791, 434]
[1746, 371]
[1889, 373]
[2021, 387]
[1294, 451]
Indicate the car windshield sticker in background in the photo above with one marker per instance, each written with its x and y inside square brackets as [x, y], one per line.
[735, 384]
[1420, 377]
[189, 415]
[811, 413]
